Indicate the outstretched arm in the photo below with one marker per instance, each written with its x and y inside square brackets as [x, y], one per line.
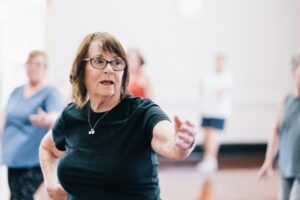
[174, 141]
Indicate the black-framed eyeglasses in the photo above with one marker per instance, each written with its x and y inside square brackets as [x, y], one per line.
[100, 63]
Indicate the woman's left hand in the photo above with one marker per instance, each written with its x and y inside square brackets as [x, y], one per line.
[185, 133]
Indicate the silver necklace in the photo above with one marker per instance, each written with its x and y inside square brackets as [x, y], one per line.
[92, 130]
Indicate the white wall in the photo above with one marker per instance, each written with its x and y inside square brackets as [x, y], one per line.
[258, 37]
[22, 26]
[297, 7]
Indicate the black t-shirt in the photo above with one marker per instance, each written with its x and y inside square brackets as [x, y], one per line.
[117, 162]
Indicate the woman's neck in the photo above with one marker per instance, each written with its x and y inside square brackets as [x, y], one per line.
[36, 85]
[31, 88]
[104, 104]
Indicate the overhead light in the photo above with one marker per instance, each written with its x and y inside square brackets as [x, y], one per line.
[189, 9]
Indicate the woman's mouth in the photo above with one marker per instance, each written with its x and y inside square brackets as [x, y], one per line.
[107, 82]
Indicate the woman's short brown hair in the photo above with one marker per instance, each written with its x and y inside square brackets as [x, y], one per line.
[108, 44]
[36, 53]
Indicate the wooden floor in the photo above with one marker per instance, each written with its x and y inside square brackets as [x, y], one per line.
[185, 183]
[235, 180]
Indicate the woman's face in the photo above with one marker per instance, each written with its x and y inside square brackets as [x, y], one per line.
[36, 69]
[219, 64]
[104, 82]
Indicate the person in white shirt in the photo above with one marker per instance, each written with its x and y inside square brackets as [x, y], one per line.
[216, 109]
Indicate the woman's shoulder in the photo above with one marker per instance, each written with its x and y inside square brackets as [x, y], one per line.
[138, 104]
[289, 97]
[72, 114]
[72, 107]
[17, 92]
[17, 89]
[51, 89]
[138, 101]
[72, 110]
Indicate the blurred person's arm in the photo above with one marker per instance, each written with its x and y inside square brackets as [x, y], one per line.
[49, 156]
[272, 148]
[46, 116]
[174, 141]
[43, 119]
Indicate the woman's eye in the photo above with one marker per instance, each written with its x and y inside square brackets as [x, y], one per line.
[99, 61]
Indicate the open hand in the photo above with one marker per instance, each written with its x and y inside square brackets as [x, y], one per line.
[185, 133]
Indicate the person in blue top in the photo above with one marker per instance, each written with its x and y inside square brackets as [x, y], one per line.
[30, 112]
[106, 141]
[286, 139]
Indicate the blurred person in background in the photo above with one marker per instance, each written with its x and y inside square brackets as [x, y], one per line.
[216, 108]
[30, 112]
[139, 82]
[107, 141]
[286, 139]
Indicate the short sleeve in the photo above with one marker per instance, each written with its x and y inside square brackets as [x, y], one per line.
[153, 115]
[58, 133]
[53, 101]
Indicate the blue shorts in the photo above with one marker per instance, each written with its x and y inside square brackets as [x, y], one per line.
[217, 123]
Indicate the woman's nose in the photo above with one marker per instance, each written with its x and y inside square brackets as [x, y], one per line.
[108, 68]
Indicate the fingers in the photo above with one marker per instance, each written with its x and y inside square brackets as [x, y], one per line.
[39, 119]
[260, 174]
[185, 133]
[264, 172]
[189, 139]
[188, 130]
[183, 145]
[34, 118]
[178, 122]
[40, 111]
[189, 123]
[185, 140]
[186, 126]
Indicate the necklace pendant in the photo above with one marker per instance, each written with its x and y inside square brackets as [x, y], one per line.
[92, 131]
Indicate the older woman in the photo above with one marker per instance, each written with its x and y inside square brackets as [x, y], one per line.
[286, 138]
[30, 112]
[106, 141]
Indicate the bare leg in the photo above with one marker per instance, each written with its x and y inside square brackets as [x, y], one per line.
[207, 190]
[211, 143]
[211, 146]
